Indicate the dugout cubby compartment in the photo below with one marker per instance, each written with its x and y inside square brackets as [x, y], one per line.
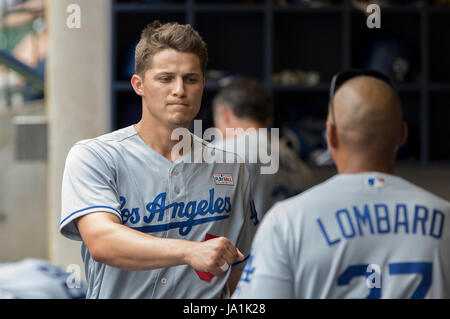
[439, 115]
[295, 104]
[301, 5]
[300, 116]
[229, 2]
[295, 47]
[439, 47]
[233, 48]
[410, 152]
[394, 48]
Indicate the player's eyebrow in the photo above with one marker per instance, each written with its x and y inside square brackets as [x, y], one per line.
[192, 73]
[173, 73]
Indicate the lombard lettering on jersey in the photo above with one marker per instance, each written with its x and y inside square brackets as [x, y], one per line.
[182, 215]
[379, 219]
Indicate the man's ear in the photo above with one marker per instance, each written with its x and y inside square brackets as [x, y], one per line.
[223, 118]
[138, 84]
[223, 113]
[332, 138]
[404, 136]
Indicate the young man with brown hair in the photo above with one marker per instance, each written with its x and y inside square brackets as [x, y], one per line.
[153, 224]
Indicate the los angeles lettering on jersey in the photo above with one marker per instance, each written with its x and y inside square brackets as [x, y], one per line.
[184, 213]
[382, 219]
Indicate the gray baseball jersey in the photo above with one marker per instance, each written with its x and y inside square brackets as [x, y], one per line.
[118, 173]
[366, 235]
[292, 176]
[38, 279]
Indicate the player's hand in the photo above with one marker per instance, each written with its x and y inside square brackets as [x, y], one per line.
[210, 255]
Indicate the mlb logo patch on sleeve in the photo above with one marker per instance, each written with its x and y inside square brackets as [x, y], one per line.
[223, 179]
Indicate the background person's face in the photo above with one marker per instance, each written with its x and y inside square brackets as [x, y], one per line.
[173, 87]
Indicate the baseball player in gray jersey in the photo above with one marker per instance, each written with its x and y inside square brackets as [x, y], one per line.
[245, 106]
[155, 224]
[364, 233]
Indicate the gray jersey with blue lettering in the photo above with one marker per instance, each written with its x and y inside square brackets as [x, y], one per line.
[366, 235]
[118, 173]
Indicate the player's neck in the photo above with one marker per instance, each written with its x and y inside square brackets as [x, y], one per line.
[246, 124]
[363, 164]
[158, 138]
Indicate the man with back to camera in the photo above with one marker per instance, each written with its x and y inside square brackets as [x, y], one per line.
[244, 105]
[364, 233]
[153, 223]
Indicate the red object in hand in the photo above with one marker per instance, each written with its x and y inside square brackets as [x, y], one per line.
[206, 276]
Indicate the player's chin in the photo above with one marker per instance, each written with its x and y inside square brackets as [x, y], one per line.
[181, 119]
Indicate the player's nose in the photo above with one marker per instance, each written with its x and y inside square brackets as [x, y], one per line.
[179, 89]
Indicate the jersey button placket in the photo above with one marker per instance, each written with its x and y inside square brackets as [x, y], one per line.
[176, 179]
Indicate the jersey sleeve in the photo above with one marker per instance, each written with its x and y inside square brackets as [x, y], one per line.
[251, 221]
[88, 186]
[268, 274]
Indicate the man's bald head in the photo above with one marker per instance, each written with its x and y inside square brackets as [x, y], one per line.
[368, 115]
